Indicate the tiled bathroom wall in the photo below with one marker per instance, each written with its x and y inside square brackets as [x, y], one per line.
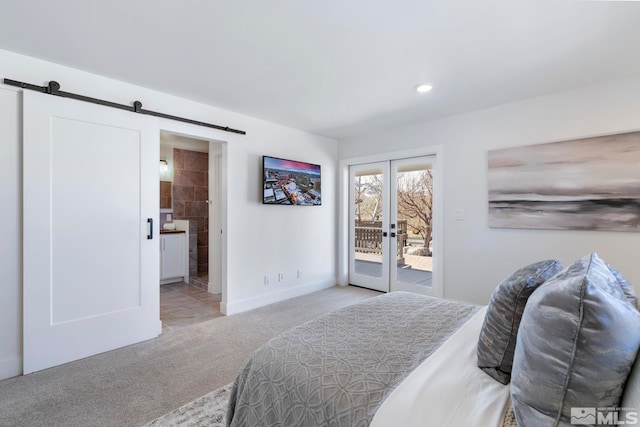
[190, 192]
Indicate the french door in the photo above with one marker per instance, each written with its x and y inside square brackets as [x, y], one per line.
[391, 225]
[368, 226]
[91, 199]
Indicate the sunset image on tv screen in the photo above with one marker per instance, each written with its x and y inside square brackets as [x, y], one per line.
[287, 182]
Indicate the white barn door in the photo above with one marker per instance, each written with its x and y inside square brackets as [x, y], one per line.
[91, 265]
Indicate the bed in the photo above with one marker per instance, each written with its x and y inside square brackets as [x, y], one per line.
[398, 359]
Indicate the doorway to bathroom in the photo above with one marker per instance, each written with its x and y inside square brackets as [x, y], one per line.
[188, 206]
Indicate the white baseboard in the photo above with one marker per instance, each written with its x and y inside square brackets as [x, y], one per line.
[10, 367]
[277, 296]
[223, 307]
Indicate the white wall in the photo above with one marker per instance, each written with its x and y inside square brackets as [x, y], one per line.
[477, 257]
[279, 239]
[261, 239]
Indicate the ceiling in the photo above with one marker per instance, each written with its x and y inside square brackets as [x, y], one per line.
[338, 68]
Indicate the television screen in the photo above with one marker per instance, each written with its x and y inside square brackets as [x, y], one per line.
[288, 182]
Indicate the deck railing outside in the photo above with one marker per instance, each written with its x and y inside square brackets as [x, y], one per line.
[368, 237]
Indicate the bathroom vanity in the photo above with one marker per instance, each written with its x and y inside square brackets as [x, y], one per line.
[173, 256]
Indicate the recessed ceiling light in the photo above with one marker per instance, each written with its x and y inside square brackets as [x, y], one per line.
[423, 88]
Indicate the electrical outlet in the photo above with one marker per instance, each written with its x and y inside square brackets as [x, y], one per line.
[459, 214]
[266, 280]
[299, 274]
[169, 217]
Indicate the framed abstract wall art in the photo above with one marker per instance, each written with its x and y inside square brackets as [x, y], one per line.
[581, 184]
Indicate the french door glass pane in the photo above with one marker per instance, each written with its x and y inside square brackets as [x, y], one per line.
[414, 196]
[368, 203]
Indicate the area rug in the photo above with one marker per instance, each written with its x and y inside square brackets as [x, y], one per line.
[209, 410]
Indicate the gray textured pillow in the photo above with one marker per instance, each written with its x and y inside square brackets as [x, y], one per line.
[498, 334]
[578, 340]
[626, 287]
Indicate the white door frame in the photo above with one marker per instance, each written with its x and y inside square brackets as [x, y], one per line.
[343, 210]
[215, 212]
[218, 143]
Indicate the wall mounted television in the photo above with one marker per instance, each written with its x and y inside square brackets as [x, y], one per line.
[289, 182]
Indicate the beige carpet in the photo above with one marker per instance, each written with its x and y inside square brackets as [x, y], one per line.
[137, 384]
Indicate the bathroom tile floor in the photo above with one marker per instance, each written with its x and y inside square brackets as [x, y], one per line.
[182, 305]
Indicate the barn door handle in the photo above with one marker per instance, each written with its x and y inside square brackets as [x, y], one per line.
[150, 222]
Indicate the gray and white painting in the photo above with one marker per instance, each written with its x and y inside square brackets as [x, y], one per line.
[582, 184]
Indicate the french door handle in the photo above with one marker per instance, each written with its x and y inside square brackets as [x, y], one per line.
[393, 234]
[150, 222]
[384, 234]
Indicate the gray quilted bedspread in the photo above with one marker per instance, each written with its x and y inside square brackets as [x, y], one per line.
[337, 369]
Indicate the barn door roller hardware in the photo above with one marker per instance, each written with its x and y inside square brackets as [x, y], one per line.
[53, 88]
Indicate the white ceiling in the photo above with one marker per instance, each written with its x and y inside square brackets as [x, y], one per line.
[335, 67]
